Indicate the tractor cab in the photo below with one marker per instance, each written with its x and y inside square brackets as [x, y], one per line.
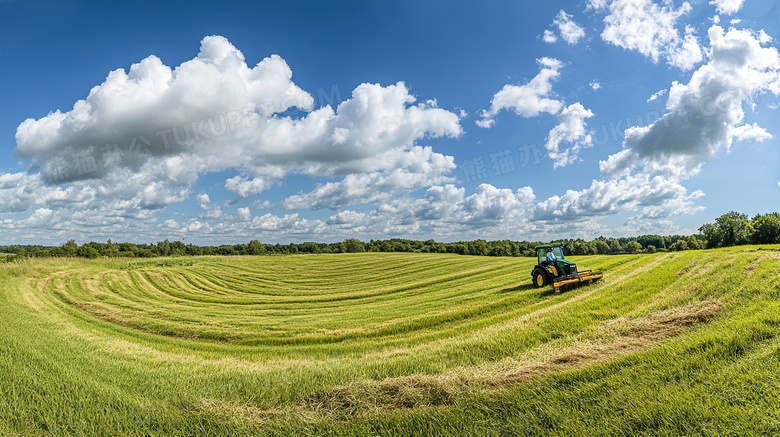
[561, 273]
[560, 265]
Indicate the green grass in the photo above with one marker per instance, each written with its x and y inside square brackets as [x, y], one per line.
[390, 344]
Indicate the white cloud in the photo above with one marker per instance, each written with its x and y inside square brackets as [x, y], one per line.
[245, 187]
[244, 214]
[195, 226]
[570, 131]
[549, 37]
[39, 217]
[351, 219]
[638, 225]
[597, 5]
[751, 133]
[706, 114]
[763, 37]
[230, 123]
[651, 30]
[657, 196]
[401, 171]
[140, 140]
[687, 53]
[595, 85]
[447, 207]
[570, 31]
[657, 95]
[727, 7]
[528, 100]
[489, 203]
[291, 224]
[444, 210]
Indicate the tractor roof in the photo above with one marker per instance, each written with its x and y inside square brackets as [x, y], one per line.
[545, 246]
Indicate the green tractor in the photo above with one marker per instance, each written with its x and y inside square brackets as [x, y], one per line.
[559, 272]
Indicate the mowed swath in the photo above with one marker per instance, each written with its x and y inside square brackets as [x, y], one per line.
[230, 345]
[346, 304]
[314, 299]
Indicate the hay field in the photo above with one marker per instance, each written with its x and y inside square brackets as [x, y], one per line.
[390, 344]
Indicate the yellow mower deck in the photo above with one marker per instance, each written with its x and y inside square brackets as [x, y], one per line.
[583, 277]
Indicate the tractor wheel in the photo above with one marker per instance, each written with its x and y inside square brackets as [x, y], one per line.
[539, 279]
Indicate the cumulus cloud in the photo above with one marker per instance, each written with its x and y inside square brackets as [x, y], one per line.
[530, 99]
[489, 203]
[656, 196]
[449, 206]
[595, 85]
[245, 187]
[705, 114]
[650, 29]
[141, 139]
[751, 133]
[549, 37]
[351, 219]
[221, 114]
[243, 214]
[444, 210]
[727, 7]
[570, 131]
[570, 31]
[401, 172]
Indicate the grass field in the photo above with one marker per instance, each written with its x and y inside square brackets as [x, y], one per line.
[391, 344]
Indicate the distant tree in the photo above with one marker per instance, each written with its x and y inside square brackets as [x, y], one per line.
[178, 248]
[70, 248]
[766, 228]
[694, 243]
[146, 253]
[164, 248]
[601, 247]
[615, 247]
[225, 249]
[309, 247]
[193, 250]
[730, 229]
[87, 252]
[255, 248]
[111, 249]
[353, 245]
[655, 240]
[633, 247]
[650, 249]
[581, 247]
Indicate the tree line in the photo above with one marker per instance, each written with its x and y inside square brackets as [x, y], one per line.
[730, 229]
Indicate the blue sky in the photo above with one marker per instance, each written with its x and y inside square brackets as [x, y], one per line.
[319, 121]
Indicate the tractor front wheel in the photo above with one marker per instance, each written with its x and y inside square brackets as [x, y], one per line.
[539, 279]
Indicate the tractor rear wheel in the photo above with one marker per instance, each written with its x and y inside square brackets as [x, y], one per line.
[539, 278]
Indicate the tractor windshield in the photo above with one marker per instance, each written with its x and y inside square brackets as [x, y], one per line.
[542, 253]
